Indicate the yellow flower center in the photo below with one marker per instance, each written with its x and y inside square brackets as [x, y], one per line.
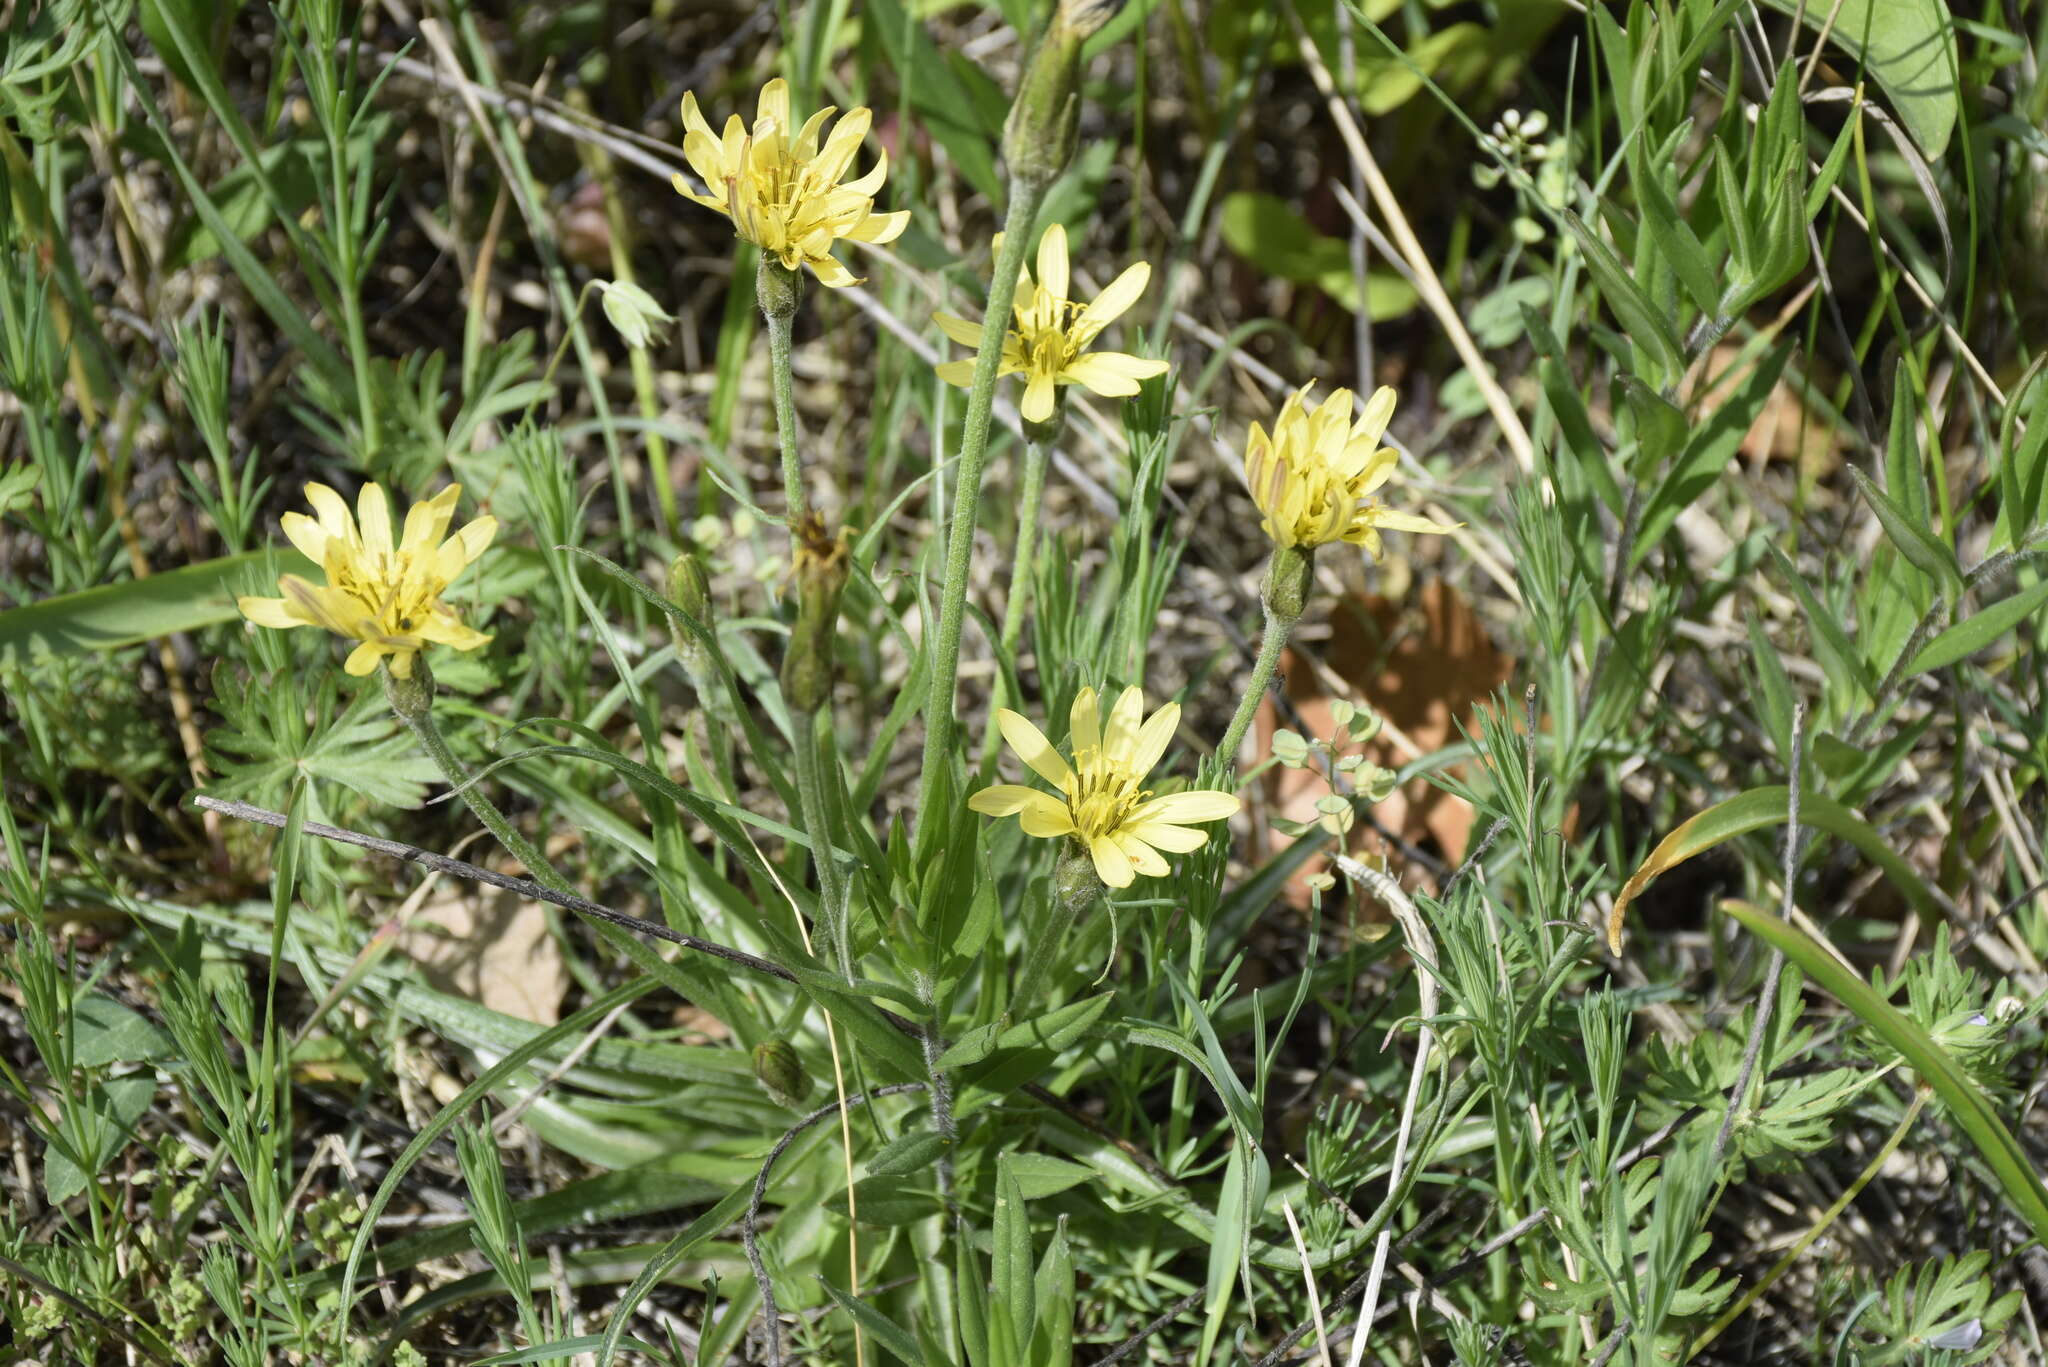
[391, 587]
[1102, 793]
[1047, 335]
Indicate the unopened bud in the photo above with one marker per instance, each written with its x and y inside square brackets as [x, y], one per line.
[411, 696]
[780, 1071]
[1045, 118]
[1287, 578]
[821, 566]
[689, 588]
[633, 311]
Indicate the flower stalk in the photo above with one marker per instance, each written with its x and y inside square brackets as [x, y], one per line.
[822, 565]
[1284, 597]
[780, 290]
[1025, 199]
[412, 699]
[1076, 887]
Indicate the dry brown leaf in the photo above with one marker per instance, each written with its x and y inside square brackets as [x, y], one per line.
[493, 947]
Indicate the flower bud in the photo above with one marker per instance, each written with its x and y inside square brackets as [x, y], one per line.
[780, 1071]
[820, 572]
[689, 588]
[633, 311]
[1045, 118]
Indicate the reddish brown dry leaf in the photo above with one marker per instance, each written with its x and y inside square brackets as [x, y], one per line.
[1422, 667]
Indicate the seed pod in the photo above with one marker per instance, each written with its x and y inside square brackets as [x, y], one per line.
[780, 1071]
[821, 566]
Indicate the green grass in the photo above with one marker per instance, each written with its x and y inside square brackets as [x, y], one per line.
[646, 991]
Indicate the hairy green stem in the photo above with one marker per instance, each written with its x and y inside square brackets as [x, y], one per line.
[1030, 496]
[1076, 888]
[1025, 198]
[1271, 643]
[779, 288]
[810, 789]
[419, 717]
[1022, 572]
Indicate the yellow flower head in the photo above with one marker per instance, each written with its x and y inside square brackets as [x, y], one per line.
[1313, 477]
[1050, 342]
[387, 597]
[1100, 802]
[781, 189]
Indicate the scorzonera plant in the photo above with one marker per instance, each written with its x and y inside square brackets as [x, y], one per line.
[878, 888]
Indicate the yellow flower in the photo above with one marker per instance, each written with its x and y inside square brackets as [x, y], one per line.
[1100, 803]
[1313, 477]
[387, 597]
[781, 190]
[1050, 342]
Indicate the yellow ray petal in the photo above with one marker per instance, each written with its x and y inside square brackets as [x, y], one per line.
[1143, 857]
[1180, 808]
[1153, 738]
[1410, 522]
[1165, 836]
[363, 660]
[1084, 725]
[959, 329]
[373, 519]
[1038, 399]
[1112, 865]
[1115, 301]
[1120, 737]
[1046, 817]
[1111, 373]
[1032, 747]
[1052, 261]
[425, 522]
[306, 534]
[270, 612]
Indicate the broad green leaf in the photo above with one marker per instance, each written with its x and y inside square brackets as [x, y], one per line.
[888, 1333]
[1909, 49]
[1267, 231]
[1040, 1175]
[1980, 629]
[104, 1118]
[1926, 552]
[134, 610]
[1015, 1280]
[107, 1032]
[2001, 1152]
[1053, 1339]
[911, 1151]
[1055, 1030]
[1754, 810]
[195, 596]
[1643, 322]
[952, 97]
